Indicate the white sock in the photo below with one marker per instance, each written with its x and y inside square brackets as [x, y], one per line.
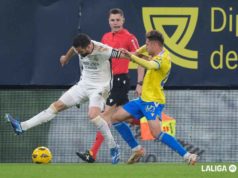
[102, 125]
[40, 118]
[186, 155]
[138, 147]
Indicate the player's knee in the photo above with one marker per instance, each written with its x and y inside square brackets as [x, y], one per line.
[58, 106]
[93, 113]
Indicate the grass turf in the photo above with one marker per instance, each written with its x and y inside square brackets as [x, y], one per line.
[100, 170]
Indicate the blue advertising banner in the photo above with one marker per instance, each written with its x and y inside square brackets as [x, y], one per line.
[200, 35]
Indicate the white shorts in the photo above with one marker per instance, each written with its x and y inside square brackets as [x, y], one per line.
[82, 92]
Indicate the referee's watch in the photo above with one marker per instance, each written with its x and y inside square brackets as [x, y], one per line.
[140, 83]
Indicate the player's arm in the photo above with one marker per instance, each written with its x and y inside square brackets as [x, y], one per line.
[144, 63]
[123, 53]
[64, 59]
[140, 77]
[133, 48]
[141, 51]
[140, 74]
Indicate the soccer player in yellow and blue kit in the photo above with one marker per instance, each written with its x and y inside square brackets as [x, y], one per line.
[152, 100]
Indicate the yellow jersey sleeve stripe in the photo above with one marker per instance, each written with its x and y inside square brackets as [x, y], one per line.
[157, 63]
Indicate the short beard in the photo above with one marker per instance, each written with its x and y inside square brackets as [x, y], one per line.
[84, 55]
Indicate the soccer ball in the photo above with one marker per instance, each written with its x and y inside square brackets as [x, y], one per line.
[41, 155]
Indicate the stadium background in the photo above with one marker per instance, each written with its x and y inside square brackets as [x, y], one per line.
[203, 100]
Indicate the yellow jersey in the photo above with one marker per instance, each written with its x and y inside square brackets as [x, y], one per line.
[154, 80]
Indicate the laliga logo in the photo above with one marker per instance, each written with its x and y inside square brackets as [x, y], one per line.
[185, 20]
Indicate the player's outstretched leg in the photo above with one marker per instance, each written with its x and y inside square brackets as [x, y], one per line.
[40, 118]
[176, 146]
[115, 154]
[16, 125]
[86, 156]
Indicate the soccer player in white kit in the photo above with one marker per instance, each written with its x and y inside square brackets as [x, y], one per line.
[93, 86]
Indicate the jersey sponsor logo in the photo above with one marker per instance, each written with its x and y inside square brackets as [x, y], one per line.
[184, 19]
[90, 65]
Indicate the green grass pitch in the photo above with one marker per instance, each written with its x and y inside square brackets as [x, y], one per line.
[100, 170]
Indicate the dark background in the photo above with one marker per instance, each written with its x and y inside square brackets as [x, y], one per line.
[34, 34]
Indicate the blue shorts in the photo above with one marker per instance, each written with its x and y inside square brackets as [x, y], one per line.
[138, 109]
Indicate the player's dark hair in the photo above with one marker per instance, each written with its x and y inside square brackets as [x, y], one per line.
[116, 11]
[155, 35]
[81, 40]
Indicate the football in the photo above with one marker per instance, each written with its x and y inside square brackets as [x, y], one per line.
[41, 155]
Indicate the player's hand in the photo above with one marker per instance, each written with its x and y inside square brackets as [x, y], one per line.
[123, 51]
[126, 53]
[63, 60]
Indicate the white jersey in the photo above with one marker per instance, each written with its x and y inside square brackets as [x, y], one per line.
[96, 78]
[96, 67]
